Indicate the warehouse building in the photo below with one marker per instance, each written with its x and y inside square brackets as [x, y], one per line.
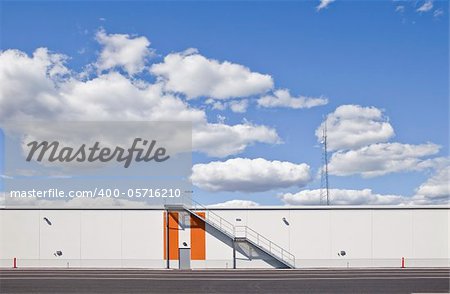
[183, 237]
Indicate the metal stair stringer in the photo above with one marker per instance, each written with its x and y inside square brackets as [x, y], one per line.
[262, 243]
[239, 233]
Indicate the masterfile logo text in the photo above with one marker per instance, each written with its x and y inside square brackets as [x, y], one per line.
[104, 163]
[148, 152]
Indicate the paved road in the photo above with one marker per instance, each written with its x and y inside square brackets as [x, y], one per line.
[225, 281]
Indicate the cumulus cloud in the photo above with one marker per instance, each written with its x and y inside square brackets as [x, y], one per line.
[28, 84]
[249, 175]
[343, 197]
[324, 4]
[221, 140]
[195, 76]
[43, 88]
[235, 204]
[426, 6]
[353, 126]
[383, 158]
[122, 51]
[282, 98]
[218, 105]
[436, 189]
[239, 106]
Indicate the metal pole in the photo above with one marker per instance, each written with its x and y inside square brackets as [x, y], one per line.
[234, 254]
[167, 240]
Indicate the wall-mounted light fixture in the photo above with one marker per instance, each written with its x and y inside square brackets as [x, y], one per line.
[47, 221]
[342, 253]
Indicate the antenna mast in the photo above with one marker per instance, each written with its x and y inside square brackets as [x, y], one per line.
[324, 170]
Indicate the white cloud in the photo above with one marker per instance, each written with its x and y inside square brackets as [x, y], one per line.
[436, 189]
[239, 106]
[221, 140]
[249, 175]
[383, 158]
[438, 12]
[353, 126]
[235, 204]
[45, 89]
[426, 6]
[218, 105]
[195, 76]
[400, 8]
[357, 134]
[122, 51]
[282, 98]
[28, 83]
[343, 197]
[324, 4]
[2, 199]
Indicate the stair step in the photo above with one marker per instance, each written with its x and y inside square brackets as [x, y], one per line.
[231, 235]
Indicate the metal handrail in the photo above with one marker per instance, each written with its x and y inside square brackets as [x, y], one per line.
[268, 245]
[250, 234]
[215, 219]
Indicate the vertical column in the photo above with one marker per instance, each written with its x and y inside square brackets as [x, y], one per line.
[171, 229]
[167, 239]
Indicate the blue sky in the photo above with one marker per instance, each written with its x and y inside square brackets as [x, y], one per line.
[366, 53]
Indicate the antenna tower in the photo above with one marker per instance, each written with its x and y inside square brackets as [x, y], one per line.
[324, 188]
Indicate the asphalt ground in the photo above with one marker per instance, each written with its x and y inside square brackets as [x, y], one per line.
[225, 281]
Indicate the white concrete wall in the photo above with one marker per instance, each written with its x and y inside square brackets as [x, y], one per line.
[134, 238]
[87, 238]
[370, 237]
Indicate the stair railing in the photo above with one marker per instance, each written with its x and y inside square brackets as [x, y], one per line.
[242, 232]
